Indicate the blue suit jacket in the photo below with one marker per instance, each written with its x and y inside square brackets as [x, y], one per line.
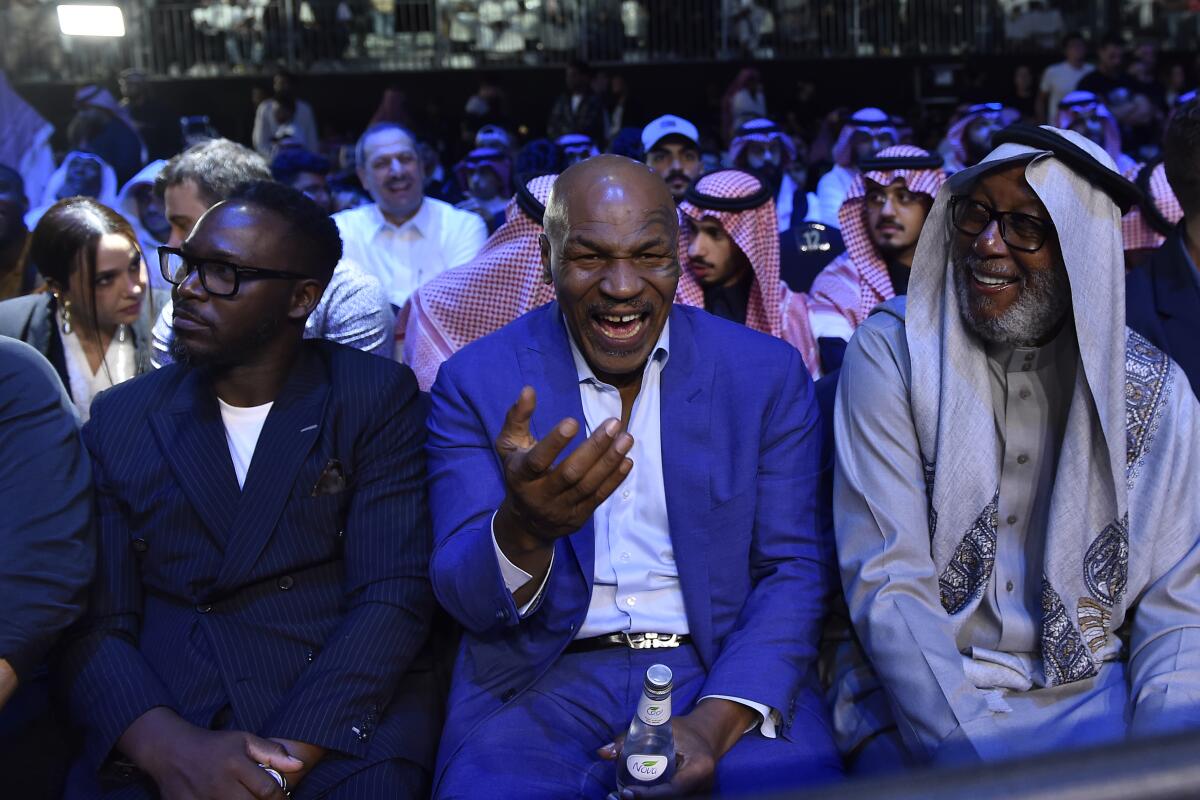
[742, 463]
[298, 603]
[1162, 303]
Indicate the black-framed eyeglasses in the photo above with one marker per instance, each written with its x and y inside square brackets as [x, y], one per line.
[1019, 231]
[219, 278]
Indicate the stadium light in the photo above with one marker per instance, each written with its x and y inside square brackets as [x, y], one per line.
[91, 21]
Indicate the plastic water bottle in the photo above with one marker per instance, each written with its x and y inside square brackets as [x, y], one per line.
[648, 755]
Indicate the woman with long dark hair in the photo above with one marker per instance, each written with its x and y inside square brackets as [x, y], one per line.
[92, 320]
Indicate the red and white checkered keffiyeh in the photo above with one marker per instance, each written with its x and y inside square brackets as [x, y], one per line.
[858, 280]
[503, 282]
[773, 308]
[1137, 233]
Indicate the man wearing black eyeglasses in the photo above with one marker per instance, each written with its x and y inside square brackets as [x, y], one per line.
[262, 593]
[1017, 495]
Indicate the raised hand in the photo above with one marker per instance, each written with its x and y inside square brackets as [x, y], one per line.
[545, 502]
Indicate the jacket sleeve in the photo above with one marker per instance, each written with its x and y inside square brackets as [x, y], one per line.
[107, 682]
[791, 558]
[388, 602]
[888, 574]
[1164, 646]
[46, 534]
[466, 487]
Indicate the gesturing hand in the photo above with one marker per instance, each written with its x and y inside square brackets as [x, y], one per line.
[544, 503]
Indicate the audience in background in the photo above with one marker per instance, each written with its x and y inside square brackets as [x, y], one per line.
[144, 210]
[403, 238]
[353, 308]
[17, 274]
[284, 116]
[672, 148]
[1059, 80]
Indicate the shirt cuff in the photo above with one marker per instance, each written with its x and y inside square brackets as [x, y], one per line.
[768, 719]
[515, 577]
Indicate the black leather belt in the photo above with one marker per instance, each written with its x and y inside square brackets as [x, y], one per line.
[634, 641]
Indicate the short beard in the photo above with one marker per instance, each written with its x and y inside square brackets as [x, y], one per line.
[1044, 301]
[234, 353]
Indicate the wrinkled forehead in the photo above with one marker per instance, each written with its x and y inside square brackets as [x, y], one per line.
[618, 210]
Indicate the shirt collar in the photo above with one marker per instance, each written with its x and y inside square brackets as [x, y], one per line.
[662, 349]
[1031, 359]
[418, 222]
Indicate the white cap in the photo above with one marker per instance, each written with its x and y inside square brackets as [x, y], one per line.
[668, 125]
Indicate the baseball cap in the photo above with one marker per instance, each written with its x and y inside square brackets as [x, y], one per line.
[668, 125]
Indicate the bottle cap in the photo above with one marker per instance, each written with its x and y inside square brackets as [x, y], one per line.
[658, 678]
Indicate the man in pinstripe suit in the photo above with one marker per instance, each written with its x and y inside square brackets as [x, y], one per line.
[261, 600]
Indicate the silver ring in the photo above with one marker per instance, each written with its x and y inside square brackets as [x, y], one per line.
[274, 773]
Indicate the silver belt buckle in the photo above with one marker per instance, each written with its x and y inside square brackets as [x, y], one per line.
[651, 641]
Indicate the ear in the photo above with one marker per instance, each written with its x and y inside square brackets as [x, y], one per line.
[547, 272]
[305, 297]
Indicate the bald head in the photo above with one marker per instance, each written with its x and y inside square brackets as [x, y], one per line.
[607, 184]
[611, 249]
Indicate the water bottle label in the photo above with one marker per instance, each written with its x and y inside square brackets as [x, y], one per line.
[646, 768]
[654, 712]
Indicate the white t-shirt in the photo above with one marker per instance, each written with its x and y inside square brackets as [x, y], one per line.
[1058, 81]
[242, 428]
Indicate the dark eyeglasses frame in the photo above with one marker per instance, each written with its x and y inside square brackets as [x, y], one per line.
[200, 265]
[1000, 218]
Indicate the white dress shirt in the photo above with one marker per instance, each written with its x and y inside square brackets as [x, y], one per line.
[404, 257]
[636, 586]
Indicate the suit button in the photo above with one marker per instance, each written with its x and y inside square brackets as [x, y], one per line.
[140, 546]
[309, 656]
[509, 695]
[204, 608]
[286, 582]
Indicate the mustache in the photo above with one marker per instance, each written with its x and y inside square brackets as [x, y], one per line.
[889, 222]
[638, 305]
[673, 174]
[700, 262]
[970, 260]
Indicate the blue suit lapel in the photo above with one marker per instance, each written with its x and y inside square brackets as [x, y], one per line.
[547, 366]
[686, 414]
[191, 436]
[291, 429]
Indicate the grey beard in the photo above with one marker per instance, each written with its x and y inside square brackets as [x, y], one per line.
[1044, 300]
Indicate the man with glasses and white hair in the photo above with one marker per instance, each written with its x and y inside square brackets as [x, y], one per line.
[1016, 495]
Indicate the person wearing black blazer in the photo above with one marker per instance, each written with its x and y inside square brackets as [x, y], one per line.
[262, 602]
[93, 320]
[47, 555]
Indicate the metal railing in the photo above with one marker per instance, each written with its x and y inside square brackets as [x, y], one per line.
[219, 37]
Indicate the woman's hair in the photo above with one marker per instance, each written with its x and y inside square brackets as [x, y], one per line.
[63, 245]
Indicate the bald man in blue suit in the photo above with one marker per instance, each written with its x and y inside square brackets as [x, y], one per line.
[656, 480]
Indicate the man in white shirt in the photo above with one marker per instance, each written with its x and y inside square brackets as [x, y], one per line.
[1060, 79]
[404, 238]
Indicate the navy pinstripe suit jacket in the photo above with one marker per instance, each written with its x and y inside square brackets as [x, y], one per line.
[283, 609]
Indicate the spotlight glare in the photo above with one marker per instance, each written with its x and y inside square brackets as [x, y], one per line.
[91, 21]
